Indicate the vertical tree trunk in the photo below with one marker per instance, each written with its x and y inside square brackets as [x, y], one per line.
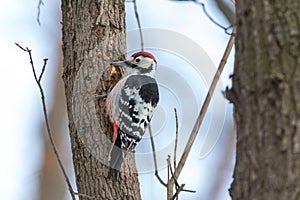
[266, 97]
[93, 35]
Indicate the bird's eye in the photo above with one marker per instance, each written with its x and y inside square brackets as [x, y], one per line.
[137, 60]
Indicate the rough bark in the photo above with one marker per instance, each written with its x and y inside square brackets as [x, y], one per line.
[266, 97]
[93, 35]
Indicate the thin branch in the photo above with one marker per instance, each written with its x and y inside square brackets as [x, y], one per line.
[177, 184]
[176, 137]
[159, 179]
[20, 47]
[226, 29]
[212, 19]
[38, 81]
[178, 191]
[33, 70]
[155, 160]
[170, 184]
[154, 157]
[41, 3]
[205, 106]
[186, 190]
[43, 69]
[175, 178]
[139, 24]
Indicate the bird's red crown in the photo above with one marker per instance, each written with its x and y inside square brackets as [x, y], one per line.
[145, 54]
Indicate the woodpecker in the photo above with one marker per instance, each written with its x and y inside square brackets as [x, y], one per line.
[130, 106]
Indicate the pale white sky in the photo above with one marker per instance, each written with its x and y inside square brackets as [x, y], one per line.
[21, 111]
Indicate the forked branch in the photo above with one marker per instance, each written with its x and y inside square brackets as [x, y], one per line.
[50, 135]
[177, 169]
[205, 105]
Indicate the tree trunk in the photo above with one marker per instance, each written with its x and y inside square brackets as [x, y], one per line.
[93, 35]
[266, 97]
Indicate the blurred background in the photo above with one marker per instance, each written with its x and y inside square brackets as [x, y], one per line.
[28, 167]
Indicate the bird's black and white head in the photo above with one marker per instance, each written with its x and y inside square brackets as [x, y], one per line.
[142, 62]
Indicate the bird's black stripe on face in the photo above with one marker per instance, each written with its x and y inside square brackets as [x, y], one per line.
[130, 65]
[134, 66]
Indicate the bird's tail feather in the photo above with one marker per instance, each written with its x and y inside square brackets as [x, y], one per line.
[116, 159]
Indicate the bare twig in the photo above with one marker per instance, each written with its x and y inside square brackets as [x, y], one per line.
[43, 69]
[169, 185]
[154, 157]
[178, 191]
[176, 138]
[212, 19]
[176, 182]
[178, 169]
[139, 24]
[170, 171]
[226, 29]
[41, 3]
[205, 106]
[172, 175]
[38, 82]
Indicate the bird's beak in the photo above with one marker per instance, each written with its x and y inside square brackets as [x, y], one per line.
[121, 63]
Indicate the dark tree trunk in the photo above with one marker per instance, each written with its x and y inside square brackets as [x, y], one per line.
[266, 97]
[93, 35]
